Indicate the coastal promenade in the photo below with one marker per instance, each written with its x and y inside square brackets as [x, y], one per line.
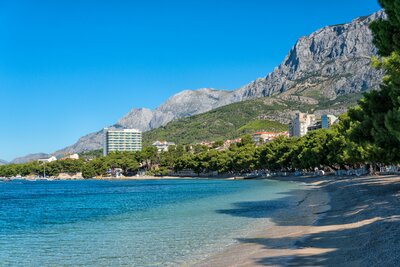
[339, 221]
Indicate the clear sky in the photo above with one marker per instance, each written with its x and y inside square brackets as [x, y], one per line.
[68, 68]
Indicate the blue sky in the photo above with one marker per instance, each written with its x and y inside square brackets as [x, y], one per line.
[68, 68]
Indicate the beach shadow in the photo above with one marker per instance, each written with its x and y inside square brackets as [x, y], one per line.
[362, 228]
[268, 208]
[256, 209]
[332, 248]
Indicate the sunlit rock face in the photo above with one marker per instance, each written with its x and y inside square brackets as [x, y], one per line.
[330, 62]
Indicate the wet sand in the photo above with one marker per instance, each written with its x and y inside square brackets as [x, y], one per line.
[347, 221]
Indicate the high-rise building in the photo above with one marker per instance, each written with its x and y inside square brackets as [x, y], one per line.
[122, 140]
[299, 125]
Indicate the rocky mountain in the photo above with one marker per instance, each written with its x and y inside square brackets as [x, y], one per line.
[30, 157]
[3, 162]
[330, 62]
[183, 104]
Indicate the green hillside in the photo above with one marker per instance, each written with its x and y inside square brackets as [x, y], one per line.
[262, 125]
[237, 119]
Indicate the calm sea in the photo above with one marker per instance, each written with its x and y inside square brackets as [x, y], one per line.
[130, 223]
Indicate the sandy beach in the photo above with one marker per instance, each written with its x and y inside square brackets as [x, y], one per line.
[339, 221]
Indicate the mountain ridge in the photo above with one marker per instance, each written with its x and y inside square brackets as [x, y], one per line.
[30, 157]
[245, 117]
[330, 62]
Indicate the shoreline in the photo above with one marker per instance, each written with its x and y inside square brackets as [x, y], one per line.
[341, 221]
[268, 240]
[147, 177]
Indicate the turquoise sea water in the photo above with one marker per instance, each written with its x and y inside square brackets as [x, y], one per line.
[130, 223]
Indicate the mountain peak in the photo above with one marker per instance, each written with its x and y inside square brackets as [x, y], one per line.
[332, 61]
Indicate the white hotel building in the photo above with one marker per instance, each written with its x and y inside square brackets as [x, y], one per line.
[122, 140]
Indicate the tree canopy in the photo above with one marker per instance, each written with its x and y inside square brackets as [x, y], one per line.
[376, 121]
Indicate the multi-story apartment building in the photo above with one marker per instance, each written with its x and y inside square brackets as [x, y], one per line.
[299, 125]
[122, 140]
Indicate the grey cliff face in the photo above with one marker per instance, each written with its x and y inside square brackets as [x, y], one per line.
[183, 104]
[88, 142]
[188, 103]
[330, 62]
[137, 118]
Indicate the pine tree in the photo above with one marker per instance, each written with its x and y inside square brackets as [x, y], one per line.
[377, 119]
[387, 32]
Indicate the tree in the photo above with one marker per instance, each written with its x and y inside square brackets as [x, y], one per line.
[9, 170]
[222, 163]
[99, 165]
[387, 32]
[123, 160]
[199, 148]
[184, 162]
[376, 120]
[279, 154]
[179, 151]
[151, 155]
[218, 143]
[88, 171]
[246, 140]
[243, 159]
[313, 150]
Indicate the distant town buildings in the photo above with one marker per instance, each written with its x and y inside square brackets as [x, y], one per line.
[206, 143]
[228, 143]
[263, 137]
[48, 160]
[303, 123]
[162, 146]
[299, 125]
[328, 120]
[122, 140]
[225, 145]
